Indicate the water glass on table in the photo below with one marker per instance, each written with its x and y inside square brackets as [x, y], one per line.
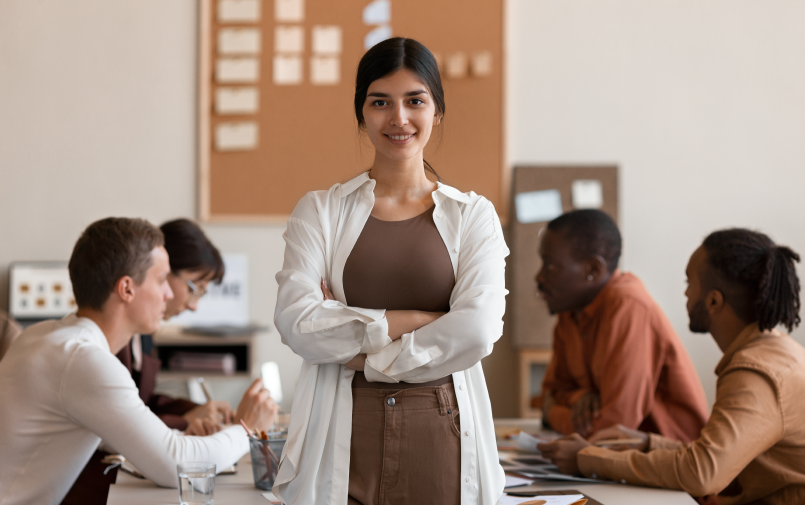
[196, 483]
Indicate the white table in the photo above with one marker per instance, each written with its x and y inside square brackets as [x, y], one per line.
[239, 489]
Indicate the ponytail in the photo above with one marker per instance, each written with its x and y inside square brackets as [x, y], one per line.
[778, 290]
[757, 277]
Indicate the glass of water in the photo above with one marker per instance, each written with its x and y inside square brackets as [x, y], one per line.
[196, 483]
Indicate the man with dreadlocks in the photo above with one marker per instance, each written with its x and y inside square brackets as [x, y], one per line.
[741, 286]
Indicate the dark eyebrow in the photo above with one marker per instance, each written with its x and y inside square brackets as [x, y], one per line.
[410, 93]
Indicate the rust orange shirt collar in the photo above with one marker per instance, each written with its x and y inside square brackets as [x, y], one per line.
[589, 312]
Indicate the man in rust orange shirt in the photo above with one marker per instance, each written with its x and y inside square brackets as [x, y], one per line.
[617, 359]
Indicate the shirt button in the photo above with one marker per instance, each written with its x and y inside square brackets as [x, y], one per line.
[461, 387]
[467, 433]
[390, 402]
[439, 214]
[623, 481]
[455, 249]
[466, 479]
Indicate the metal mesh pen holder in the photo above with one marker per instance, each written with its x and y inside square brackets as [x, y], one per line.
[265, 461]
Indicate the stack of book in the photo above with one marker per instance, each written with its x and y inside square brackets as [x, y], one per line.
[202, 362]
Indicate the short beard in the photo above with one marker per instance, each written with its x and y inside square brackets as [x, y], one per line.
[699, 318]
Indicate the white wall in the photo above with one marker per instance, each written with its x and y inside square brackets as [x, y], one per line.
[97, 118]
[701, 104]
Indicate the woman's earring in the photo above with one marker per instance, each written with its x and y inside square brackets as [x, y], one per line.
[590, 277]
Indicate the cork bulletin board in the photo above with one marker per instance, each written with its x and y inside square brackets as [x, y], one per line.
[530, 322]
[276, 85]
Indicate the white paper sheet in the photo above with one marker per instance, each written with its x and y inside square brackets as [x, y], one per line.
[456, 65]
[289, 39]
[511, 481]
[326, 40]
[564, 499]
[538, 206]
[481, 64]
[587, 194]
[528, 443]
[325, 70]
[376, 36]
[239, 11]
[287, 70]
[237, 100]
[237, 70]
[270, 497]
[239, 41]
[289, 11]
[240, 136]
[377, 12]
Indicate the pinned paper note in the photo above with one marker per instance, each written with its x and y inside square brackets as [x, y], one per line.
[537, 206]
[326, 40]
[456, 65]
[287, 70]
[376, 36]
[325, 70]
[239, 11]
[292, 11]
[289, 39]
[236, 136]
[237, 70]
[481, 64]
[377, 12]
[587, 194]
[237, 100]
[239, 41]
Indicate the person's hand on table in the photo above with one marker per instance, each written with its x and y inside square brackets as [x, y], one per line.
[257, 409]
[586, 410]
[562, 452]
[215, 411]
[620, 431]
[202, 426]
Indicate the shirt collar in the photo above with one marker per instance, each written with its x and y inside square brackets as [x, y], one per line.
[747, 334]
[442, 189]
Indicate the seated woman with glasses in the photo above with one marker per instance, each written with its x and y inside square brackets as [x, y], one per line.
[194, 263]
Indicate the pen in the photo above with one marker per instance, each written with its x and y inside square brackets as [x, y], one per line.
[618, 441]
[205, 389]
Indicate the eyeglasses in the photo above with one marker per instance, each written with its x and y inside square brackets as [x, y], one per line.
[195, 291]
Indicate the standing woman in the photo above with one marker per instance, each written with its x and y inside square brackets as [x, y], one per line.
[392, 290]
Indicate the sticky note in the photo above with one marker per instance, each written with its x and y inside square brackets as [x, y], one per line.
[538, 206]
[287, 70]
[456, 65]
[326, 40]
[239, 41]
[325, 70]
[237, 100]
[240, 136]
[376, 36]
[289, 10]
[377, 12]
[481, 64]
[587, 194]
[239, 11]
[236, 70]
[289, 39]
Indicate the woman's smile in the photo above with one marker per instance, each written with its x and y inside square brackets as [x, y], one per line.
[400, 139]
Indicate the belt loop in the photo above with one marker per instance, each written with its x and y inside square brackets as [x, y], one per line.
[444, 401]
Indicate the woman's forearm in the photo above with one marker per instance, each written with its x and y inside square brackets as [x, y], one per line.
[405, 321]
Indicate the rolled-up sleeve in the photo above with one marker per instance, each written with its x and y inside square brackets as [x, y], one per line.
[462, 337]
[746, 422]
[319, 330]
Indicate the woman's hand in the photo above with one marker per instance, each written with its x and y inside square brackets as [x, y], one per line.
[214, 411]
[201, 427]
[406, 321]
[257, 409]
[325, 290]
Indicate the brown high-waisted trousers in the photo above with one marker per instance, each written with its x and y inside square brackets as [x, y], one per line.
[406, 446]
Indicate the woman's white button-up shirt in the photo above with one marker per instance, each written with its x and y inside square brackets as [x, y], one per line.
[328, 333]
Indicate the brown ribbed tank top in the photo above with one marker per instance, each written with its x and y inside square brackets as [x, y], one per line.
[399, 265]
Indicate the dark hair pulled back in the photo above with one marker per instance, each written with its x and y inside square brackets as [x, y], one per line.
[760, 277]
[190, 249]
[391, 55]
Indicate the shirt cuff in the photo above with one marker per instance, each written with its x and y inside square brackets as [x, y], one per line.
[656, 441]
[600, 463]
[376, 336]
[374, 375]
